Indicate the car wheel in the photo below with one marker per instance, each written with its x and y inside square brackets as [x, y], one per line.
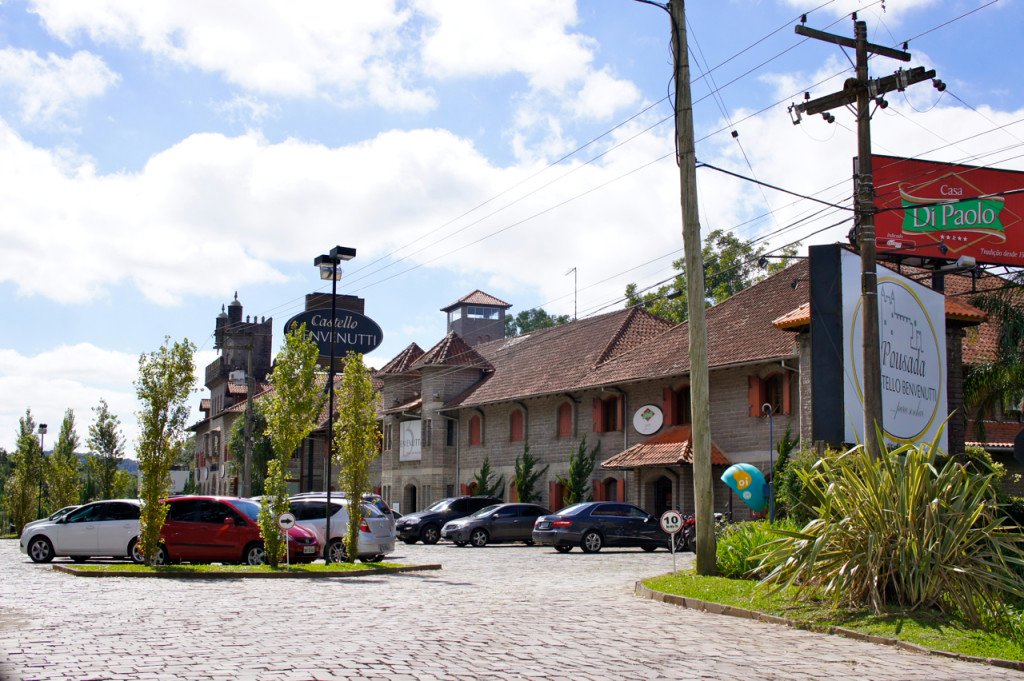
[255, 554]
[134, 553]
[409, 541]
[460, 544]
[336, 552]
[80, 559]
[591, 542]
[648, 547]
[40, 550]
[563, 548]
[430, 534]
[479, 538]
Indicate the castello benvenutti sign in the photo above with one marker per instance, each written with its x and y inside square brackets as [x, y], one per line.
[353, 332]
[948, 210]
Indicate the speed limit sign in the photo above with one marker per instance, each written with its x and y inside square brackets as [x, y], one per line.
[671, 521]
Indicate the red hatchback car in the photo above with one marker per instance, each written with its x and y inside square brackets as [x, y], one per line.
[223, 530]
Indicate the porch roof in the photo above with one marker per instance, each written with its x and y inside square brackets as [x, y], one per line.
[671, 447]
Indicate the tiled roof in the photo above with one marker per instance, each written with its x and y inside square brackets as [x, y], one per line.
[451, 351]
[670, 447]
[795, 319]
[957, 310]
[477, 297]
[560, 358]
[402, 362]
[237, 389]
[204, 404]
[997, 433]
[412, 405]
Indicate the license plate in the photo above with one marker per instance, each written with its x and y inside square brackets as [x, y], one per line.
[543, 526]
[309, 549]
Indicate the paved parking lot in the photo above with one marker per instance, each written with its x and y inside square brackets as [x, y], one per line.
[502, 612]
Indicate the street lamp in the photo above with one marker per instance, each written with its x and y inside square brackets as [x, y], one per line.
[39, 503]
[328, 266]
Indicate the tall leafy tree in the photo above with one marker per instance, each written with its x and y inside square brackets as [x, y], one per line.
[107, 445]
[730, 265]
[356, 441]
[22, 490]
[581, 467]
[1001, 380]
[64, 474]
[291, 409]
[486, 486]
[532, 320]
[162, 387]
[526, 476]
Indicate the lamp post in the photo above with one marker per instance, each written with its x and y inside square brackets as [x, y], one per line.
[39, 503]
[328, 266]
[770, 412]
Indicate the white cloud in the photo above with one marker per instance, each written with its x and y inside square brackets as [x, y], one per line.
[49, 88]
[309, 49]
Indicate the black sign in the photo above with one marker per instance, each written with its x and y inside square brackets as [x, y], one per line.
[353, 332]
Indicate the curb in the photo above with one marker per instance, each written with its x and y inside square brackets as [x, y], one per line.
[247, 575]
[642, 591]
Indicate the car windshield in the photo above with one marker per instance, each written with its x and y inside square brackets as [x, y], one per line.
[571, 510]
[440, 506]
[250, 508]
[486, 510]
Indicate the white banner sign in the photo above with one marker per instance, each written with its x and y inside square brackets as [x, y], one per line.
[409, 441]
[912, 344]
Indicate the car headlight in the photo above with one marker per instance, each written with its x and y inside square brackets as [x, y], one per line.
[412, 521]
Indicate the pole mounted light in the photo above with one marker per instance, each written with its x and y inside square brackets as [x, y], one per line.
[42, 437]
[328, 266]
[769, 411]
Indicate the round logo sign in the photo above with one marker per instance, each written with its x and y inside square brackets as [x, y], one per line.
[286, 521]
[353, 332]
[648, 419]
[671, 521]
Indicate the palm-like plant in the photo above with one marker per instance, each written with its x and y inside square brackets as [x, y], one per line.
[907, 529]
[989, 384]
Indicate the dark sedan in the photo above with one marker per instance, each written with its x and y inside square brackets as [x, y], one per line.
[495, 524]
[426, 525]
[595, 524]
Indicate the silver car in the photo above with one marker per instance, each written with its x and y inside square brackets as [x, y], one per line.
[102, 528]
[376, 532]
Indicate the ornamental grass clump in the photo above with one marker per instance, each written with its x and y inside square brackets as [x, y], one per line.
[909, 529]
[741, 546]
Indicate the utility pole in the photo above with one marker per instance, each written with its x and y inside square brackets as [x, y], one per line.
[250, 388]
[686, 158]
[862, 90]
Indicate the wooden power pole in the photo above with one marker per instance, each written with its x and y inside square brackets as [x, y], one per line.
[686, 158]
[862, 91]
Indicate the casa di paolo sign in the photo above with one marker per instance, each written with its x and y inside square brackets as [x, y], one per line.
[912, 347]
[353, 332]
[947, 210]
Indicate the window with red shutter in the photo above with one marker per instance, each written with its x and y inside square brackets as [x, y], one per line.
[475, 429]
[565, 419]
[515, 426]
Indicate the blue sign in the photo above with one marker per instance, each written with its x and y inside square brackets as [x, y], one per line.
[749, 484]
[353, 332]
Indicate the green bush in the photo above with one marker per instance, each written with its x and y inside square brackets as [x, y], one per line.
[791, 497]
[740, 546]
[906, 529]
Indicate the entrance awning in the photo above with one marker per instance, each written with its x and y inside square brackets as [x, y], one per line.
[671, 447]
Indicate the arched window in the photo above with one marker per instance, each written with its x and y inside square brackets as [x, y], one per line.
[475, 429]
[565, 419]
[515, 426]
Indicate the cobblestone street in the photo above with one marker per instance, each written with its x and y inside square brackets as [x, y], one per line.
[502, 612]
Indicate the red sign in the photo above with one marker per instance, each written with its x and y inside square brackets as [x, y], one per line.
[947, 210]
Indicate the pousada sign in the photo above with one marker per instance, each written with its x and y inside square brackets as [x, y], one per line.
[948, 210]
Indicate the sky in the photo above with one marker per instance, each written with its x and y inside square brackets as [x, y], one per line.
[157, 157]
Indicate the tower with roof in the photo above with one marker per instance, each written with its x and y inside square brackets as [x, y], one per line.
[477, 318]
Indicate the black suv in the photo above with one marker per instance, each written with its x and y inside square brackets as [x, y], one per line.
[426, 525]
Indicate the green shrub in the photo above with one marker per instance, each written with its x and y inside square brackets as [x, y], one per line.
[791, 497]
[740, 546]
[906, 529]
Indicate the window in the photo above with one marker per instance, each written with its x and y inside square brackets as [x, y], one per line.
[608, 414]
[565, 419]
[185, 511]
[475, 312]
[122, 511]
[676, 405]
[515, 426]
[388, 430]
[453, 315]
[774, 389]
[426, 426]
[449, 434]
[475, 429]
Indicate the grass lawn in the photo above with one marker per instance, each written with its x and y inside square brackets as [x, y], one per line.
[216, 567]
[930, 629]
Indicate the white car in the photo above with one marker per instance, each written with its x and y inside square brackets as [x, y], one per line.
[53, 516]
[102, 528]
[376, 533]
